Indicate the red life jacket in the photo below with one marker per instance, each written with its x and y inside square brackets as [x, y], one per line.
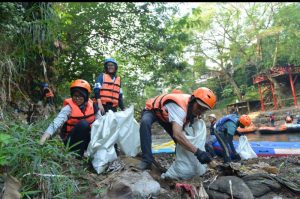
[49, 93]
[158, 104]
[77, 114]
[110, 90]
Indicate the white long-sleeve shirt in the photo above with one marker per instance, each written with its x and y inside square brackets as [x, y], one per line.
[176, 113]
[61, 118]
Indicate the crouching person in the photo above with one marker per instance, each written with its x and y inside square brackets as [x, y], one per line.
[76, 117]
[225, 129]
[172, 112]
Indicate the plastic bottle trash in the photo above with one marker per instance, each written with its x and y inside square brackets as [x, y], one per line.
[202, 193]
[212, 164]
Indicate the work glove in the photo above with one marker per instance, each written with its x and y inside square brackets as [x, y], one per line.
[203, 157]
[236, 156]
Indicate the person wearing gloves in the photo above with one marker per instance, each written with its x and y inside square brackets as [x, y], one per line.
[225, 129]
[76, 117]
[173, 111]
[107, 89]
[212, 138]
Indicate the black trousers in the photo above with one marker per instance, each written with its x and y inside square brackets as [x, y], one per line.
[148, 118]
[226, 143]
[79, 138]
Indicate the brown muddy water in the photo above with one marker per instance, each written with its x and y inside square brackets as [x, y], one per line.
[284, 137]
[163, 137]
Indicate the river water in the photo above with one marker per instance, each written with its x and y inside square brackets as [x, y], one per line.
[283, 137]
[286, 137]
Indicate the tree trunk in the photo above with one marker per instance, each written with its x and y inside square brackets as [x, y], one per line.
[231, 81]
[278, 93]
[234, 85]
[259, 50]
[275, 52]
[43, 63]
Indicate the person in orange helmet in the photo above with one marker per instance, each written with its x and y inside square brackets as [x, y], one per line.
[76, 117]
[173, 111]
[225, 129]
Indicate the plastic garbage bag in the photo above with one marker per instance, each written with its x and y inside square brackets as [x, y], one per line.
[244, 149]
[186, 164]
[119, 127]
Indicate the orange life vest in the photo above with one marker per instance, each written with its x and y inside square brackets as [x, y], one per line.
[77, 114]
[157, 104]
[110, 90]
[49, 93]
[177, 91]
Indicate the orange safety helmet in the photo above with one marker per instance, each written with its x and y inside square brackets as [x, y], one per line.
[206, 96]
[81, 84]
[245, 120]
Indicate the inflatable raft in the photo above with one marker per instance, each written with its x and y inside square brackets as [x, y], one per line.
[261, 148]
[265, 148]
[250, 129]
[293, 128]
[285, 128]
[272, 130]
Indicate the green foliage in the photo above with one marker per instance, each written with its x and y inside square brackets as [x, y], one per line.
[47, 170]
[222, 103]
[151, 45]
[251, 93]
[288, 19]
[4, 141]
[227, 92]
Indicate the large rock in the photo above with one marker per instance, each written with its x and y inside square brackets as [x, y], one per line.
[260, 184]
[141, 183]
[11, 188]
[221, 188]
[119, 191]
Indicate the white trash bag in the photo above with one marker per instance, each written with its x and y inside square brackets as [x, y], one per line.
[244, 149]
[119, 127]
[186, 164]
